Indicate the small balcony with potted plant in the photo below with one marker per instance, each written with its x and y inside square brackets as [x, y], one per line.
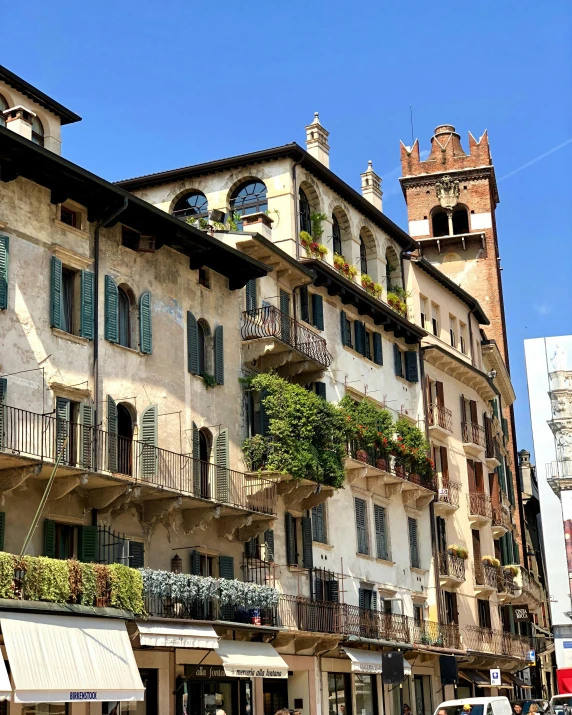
[447, 501]
[485, 575]
[452, 566]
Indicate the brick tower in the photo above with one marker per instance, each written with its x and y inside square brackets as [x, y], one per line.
[451, 200]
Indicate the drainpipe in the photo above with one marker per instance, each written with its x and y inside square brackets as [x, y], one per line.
[296, 210]
[431, 503]
[102, 223]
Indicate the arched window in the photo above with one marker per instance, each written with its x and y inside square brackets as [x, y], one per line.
[460, 220]
[305, 213]
[3, 106]
[37, 132]
[123, 318]
[362, 256]
[336, 235]
[440, 223]
[249, 198]
[193, 204]
[125, 438]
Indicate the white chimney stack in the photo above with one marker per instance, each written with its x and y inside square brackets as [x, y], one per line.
[317, 141]
[19, 120]
[371, 186]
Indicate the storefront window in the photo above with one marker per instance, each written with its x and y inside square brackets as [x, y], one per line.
[422, 685]
[45, 709]
[148, 706]
[339, 694]
[366, 700]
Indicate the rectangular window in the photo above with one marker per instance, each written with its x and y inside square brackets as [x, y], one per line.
[319, 523]
[417, 614]
[67, 304]
[398, 361]
[453, 330]
[67, 541]
[349, 333]
[413, 543]
[423, 307]
[381, 532]
[367, 598]
[129, 238]
[70, 217]
[368, 343]
[340, 693]
[204, 278]
[361, 526]
[451, 610]
[435, 319]
[366, 694]
[484, 613]
[463, 337]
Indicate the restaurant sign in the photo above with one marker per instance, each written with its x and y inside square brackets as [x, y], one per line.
[216, 672]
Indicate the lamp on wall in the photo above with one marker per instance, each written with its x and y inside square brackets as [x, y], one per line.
[176, 564]
[216, 215]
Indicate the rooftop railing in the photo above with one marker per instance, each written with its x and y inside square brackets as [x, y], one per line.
[92, 450]
[269, 322]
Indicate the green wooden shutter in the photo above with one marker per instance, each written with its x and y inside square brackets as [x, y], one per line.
[86, 435]
[222, 477]
[149, 430]
[111, 310]
[374, 600]
[361, 598]
[136, 554]
[413, 542]
[196, 463]
[510, 485]
[516, 551]
[318, 524]
[343, 331]
[251, 295]
[2, 529]
[504, 425]
[359, 337]
[411, 369]
[50, 538]
[145, 324]
[195, 565]
[88, 544]
[226, 566]
[112, 462]
[3, 390]
[361, 526]
[250, 547]
[290, 527]
[56, 294]
[495, 407]
[321, 389]
[307, 552]
[63, 429]
[219, 355]
[192, 344]
[269, 541]
[304, 304]
[87, 307]
[317, 311]
[332, 591]
[4, 244]
[380, 532]
[377, 349]
[285, 317]
[397, 360]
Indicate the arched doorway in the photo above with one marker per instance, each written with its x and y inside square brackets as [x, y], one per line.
[124, 439]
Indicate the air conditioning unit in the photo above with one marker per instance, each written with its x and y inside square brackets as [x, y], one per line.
[146, 244]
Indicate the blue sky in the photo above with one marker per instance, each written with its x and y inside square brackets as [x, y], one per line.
[167, 84]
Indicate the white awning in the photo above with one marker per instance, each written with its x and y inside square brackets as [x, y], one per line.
[59, 659]
[364, 661]
[5, 685]
[245, 659]
[177, 635]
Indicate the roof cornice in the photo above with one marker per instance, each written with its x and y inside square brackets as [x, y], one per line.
[292, 151]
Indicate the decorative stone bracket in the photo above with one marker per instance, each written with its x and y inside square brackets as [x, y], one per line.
[12, 478]
[198, 519]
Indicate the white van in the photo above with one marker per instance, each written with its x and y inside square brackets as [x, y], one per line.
[479, 706]
[561, 704]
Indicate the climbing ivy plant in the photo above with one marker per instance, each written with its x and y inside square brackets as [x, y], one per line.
[305, 436]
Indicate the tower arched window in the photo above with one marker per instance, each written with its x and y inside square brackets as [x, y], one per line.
[336, 235]
[460, 221]
[305, 213]
[440, 223]
[3, 107]
[123, 318]
[249, 198]
[193, 204]
[37, 132]
[362, 256]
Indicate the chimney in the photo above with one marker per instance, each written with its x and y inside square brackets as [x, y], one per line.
[19, 120]
[371, 186]
[317, 141]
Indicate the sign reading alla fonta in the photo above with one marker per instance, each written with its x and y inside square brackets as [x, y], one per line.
[216, 672]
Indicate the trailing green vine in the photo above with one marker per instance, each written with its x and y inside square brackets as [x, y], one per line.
[317, 231]
[209, 380]
[305, 433]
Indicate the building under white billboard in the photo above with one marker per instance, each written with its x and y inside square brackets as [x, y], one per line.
[549, 375]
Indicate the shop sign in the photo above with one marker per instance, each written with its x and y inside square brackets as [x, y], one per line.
[214, 672]
[242, 672]
[83, 695]
[495, 676]
[521, 614]
[366, 667]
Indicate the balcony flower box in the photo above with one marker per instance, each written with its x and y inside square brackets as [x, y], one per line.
[343, 267]
[313, 248]
[398, 305]
[460, 551]
[381, 463]
[362, 455]
[369, 285]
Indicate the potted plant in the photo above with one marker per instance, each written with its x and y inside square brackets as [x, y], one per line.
[362, 455]
[512, 570]
[463, 552]
[313, 248]
[487, 560]
[370, 286]
[345, 268]
[453, 550]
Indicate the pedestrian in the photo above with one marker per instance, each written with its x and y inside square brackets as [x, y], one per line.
[517, 709]
[534, 708]
[467, 709]
[406, 709]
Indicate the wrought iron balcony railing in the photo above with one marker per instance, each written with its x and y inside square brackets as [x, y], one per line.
[453, 566]
[269, 322]
[505, 582]
[438, 635]
[92, 450]
[473, 433]
[389, 464]
[559, 470]
[480, 504]
[487, 640]
[440, 416]
[530, 585]
[448, 491]
[485, 575]
[502, 516]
